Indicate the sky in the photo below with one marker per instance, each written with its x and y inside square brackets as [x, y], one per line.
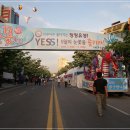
[83, 15]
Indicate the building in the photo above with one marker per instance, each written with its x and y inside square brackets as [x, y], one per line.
[8, 15]
[62, 62]
[118, 28]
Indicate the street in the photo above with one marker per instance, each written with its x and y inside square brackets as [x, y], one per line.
[59, 107]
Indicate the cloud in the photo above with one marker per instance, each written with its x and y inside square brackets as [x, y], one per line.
[45, 22]
[125, 6]
[107, 15]
[36, 21]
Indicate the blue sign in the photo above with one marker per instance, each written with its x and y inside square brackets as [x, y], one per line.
[117, 84]
[87, 84]
[114, 84]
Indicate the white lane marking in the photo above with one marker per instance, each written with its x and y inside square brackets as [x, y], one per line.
[74, 87]
[1, 103]
[112, 106]
[22, 93]
[84, 93]
[118, 110]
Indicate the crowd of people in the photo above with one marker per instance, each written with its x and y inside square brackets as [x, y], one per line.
[39, 81]
[33, 80]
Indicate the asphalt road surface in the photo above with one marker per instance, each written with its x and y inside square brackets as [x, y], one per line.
[53, 107]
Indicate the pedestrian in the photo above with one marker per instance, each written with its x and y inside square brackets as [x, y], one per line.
[45, 82]
[69, 83]
[26, 79]
[39, 81]
[36, 80]
[17, 80]
[58, 80]
[66, 82]
[42, 81]
[100, 90]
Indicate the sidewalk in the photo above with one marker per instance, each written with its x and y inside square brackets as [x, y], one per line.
[7, 86]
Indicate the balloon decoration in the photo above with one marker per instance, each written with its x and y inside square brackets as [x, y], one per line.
[27, 18]
[34, 9]
[20, 7]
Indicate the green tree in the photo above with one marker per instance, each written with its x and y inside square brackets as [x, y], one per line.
[7, 61]
[14, 61]
[80, 58]
[83, 57]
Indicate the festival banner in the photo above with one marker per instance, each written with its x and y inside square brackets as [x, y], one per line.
[13, 36]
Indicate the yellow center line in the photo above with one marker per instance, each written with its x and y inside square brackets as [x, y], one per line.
[50, 114]
[58, 112]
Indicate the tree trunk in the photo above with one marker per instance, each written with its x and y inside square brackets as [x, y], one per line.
[1, 79]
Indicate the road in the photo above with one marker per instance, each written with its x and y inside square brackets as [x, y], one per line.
[37, 107]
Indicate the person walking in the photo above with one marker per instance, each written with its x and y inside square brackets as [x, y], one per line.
[36, 80]
[42, 81]
[66, 82]
[58, 80]
[100, 90]
[26, 80]
[39, 81]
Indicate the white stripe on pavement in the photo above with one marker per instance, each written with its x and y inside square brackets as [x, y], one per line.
[112, 107]
[118, 110]
[84, 93]
[22, 93]
[1, 103]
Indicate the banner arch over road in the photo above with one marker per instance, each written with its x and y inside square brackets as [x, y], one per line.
[14, 36]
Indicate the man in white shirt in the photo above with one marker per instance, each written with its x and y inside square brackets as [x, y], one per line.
[58, 81]
[66, 82]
